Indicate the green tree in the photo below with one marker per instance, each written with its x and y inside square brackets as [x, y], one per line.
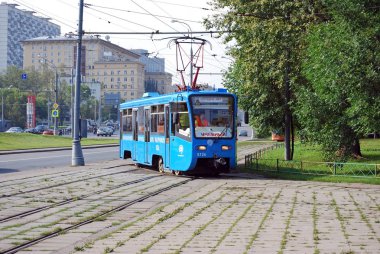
[343, 58]
[14, 104]
[268, 42]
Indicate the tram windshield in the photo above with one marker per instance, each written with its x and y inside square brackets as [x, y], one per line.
[213, 116]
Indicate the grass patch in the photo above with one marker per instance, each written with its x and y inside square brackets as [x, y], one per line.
[308, 165]
[370, 149]
[17, 141]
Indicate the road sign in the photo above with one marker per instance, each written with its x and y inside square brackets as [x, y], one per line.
[24, 76]
[55, 113]
[55, 105]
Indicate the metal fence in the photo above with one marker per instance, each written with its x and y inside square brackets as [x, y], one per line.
[257, 163]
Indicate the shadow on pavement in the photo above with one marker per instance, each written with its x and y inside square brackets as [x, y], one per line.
[7, 170]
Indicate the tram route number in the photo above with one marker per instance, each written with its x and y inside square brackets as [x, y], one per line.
[201, 154]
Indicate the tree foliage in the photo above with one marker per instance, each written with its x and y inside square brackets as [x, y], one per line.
[342, 65]
[41, 84]
[268, 43]
[329, 50]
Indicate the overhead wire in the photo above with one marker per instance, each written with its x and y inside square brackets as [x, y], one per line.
[153, 15]
[142, 13]
[35, 9]
[182, 5]
[114, 16]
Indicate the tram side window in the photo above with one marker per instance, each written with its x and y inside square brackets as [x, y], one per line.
[180, 120]
[127, 120]
[157, 119]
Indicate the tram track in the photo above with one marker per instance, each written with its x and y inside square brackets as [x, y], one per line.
[43, 208]
[65, 183]
[55, 175]
[94, 218]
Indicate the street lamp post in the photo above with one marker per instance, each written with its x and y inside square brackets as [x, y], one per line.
[55, 90]
[2, 110]
[77, 158]
[191, 49]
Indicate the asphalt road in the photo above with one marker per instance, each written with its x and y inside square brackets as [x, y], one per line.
[50, 159]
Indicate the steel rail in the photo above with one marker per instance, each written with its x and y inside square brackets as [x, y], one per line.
[43, 208]
[61, 184]
[116, 209]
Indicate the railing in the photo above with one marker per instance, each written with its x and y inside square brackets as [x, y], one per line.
[257, 163]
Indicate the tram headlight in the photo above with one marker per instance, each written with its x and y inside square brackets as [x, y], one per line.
[226, 148]
[201, 148]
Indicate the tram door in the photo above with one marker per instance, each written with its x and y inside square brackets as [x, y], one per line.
[167, 136]
[147, 133]
[135, 128]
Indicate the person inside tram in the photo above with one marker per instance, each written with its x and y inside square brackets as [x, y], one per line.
[201, 121]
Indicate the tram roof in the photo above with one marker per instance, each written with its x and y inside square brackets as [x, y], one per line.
[155, 98]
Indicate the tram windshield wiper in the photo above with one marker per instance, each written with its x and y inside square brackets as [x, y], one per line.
[224, 131]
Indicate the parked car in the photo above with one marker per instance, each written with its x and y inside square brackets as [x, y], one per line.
[48, 132]
[31, 130]
[243, 133]
[41, 128]
[15, 130]
[104, 131]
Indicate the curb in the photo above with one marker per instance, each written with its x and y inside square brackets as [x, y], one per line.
[52, 149]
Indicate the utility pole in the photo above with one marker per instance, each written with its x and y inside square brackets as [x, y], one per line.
[56, 102]
[77, 154]
[72, 102]
[2, 110]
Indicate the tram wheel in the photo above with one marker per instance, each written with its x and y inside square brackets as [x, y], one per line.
[160, 165]
[177, 172]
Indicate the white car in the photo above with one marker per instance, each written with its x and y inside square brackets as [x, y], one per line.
[104, 131]
[15, 130]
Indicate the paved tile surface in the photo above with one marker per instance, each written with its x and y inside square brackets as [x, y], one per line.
[206, 215]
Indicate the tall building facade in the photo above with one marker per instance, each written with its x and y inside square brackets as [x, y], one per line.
[156, 79]
[118, 70]
[17, 25]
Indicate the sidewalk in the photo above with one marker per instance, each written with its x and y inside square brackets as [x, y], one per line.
[206, 215]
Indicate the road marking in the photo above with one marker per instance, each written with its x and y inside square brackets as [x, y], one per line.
[50, 157]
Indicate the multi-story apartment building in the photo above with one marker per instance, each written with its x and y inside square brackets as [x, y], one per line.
[156, 79]
[115, 68]
[159, 82]
[17, 25]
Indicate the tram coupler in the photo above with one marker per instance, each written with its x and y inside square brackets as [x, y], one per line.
[219, 162]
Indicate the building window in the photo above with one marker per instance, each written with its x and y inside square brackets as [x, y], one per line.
[118, 72]
[118, 79]
[111, 86]
[132, 72]
[125, 79]
[111, 79]
[112, 73]
[105, 73]
[125, 72]
[105, 86]
[132, 93]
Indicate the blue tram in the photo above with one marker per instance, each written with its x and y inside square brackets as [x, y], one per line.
[188, 132]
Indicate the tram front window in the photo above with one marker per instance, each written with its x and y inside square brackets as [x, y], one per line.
[213, 116]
